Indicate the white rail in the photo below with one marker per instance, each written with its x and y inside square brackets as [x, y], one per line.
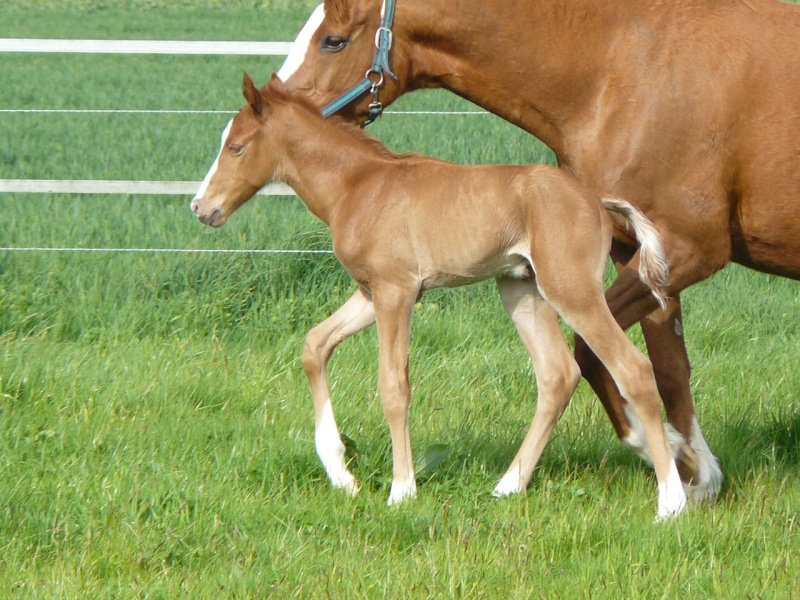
[102, 186]
[167, 188]
[31, 45]
[166, 250]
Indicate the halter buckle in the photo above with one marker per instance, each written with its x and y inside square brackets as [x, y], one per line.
[389, 38]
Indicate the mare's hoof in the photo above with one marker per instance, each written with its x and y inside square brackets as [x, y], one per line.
[687, 464]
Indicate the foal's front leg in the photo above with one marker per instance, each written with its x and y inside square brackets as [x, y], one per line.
[393, 309]
[353, 316]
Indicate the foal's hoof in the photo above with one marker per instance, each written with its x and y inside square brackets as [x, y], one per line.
[508, 485]
[402, 492]
[348, 483]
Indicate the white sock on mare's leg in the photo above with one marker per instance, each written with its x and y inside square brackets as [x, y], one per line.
[707, 484]
[709, 476]
[637, 441]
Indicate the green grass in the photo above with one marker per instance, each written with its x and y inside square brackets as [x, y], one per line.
[156, 432]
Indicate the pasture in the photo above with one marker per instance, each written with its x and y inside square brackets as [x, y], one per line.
[156, 428]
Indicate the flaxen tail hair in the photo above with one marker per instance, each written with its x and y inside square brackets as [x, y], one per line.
[653, 265]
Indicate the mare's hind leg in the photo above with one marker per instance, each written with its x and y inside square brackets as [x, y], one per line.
[557, 375]
[582, 305]
[353, 316]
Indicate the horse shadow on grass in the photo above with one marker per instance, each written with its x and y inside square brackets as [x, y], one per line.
[747, 450]
[744, 449]
[468, 456]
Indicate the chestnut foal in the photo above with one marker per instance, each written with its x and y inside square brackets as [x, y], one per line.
[405, 224]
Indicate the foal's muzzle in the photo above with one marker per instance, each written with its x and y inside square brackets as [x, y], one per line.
[214, 219]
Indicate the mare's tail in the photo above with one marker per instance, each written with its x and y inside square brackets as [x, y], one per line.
[653, 265]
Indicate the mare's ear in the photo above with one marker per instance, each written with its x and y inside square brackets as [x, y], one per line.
[251, 94]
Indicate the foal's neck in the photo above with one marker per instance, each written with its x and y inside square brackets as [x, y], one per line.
[323, 160]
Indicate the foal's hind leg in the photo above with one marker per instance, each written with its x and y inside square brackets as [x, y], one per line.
[629, 301]
[557, 375]
[582, 305]
[353, 316]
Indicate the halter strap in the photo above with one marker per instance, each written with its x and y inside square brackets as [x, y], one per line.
[375, 75]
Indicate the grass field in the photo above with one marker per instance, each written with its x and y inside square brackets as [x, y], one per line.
[156, 430]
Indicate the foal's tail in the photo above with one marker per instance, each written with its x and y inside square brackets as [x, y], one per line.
[653, 264]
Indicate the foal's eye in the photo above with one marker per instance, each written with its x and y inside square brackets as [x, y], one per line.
[333, 43]
[235, 149]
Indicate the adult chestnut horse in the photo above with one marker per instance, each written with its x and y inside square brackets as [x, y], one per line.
[402, 225]
[690, 108]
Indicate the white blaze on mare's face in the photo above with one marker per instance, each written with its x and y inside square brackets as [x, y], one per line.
[210, 174]
[301, 44]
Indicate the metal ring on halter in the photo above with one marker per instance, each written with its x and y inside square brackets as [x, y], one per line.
[375, 84]
[378, 38]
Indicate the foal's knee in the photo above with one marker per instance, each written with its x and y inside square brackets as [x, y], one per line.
[560, 381]
[395, 393]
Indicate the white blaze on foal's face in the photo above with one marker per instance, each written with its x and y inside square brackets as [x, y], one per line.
[213, 169]
[301, 44]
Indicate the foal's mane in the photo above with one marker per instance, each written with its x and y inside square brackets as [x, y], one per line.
[272, 94]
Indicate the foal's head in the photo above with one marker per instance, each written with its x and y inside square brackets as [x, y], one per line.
[246, 161]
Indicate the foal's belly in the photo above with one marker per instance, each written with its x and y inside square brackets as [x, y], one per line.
[455, 273]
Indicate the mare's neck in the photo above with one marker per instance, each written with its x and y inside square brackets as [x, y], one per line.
[320, 160]
[539, 65]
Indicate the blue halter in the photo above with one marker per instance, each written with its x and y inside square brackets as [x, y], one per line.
[374, 78]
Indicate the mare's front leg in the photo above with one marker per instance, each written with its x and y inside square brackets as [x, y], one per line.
[353, 316]
[557, 375]
[393, 309]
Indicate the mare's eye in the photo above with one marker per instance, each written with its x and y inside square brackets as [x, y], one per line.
[333, 43]
[235, 149]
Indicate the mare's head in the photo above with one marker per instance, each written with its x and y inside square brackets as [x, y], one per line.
[246, 161]
[335, 50]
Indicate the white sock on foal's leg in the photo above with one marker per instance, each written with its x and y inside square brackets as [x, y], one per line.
[331, 450]
[511, 483]
[671, 495]
[402, 490]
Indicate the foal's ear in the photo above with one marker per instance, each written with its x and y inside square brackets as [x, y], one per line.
[276, 83]
[251, 94]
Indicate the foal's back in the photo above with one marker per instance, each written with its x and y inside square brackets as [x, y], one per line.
[455, 224]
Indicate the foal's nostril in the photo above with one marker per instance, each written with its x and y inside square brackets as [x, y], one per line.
[194, 206]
